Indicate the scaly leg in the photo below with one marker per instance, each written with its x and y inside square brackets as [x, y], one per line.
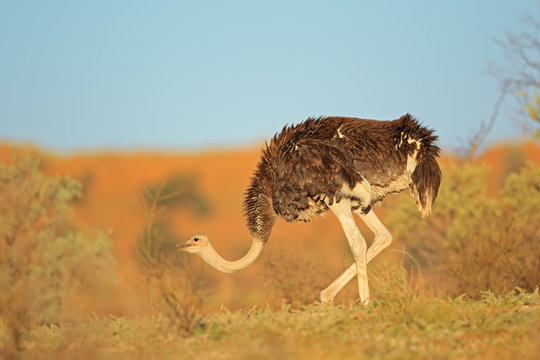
[382, 239]
[357, 243]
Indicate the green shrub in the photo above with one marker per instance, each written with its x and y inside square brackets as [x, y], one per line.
[180, 190]
[176, 286]
[474, 242]
[297, 277]
[42, 256]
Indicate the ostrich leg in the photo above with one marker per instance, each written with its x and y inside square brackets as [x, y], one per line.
[382, 239]
[357, 243]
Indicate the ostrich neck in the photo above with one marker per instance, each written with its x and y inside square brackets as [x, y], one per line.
[216, 261]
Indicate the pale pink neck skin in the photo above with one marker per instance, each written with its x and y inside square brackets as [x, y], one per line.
[210, 256]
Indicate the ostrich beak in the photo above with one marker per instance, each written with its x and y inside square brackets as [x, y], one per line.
[183, 246]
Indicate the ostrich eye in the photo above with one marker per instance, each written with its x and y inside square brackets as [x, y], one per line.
[195, 239]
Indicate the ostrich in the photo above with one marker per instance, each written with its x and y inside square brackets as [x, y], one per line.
[342, 164]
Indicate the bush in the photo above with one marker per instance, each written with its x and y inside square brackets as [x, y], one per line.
[296, 276]
[180, 190]
[42, 256]
[176, 286]
[474, 242]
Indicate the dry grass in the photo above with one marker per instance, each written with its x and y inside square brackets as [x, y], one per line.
[493, 327]
[294, 276]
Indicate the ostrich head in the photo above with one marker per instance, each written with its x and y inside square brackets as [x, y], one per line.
[196, 245]
[200, 244]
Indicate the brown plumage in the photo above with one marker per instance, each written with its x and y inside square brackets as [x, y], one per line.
[304, 168]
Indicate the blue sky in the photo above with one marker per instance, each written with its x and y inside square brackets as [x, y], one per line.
[186, 75]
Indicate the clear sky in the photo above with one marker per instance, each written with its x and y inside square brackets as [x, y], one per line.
[182, 75]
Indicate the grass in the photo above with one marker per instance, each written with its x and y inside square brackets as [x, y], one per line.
[412, 327]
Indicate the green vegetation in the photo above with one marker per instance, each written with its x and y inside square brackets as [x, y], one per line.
[496, 327]
[294, 276]
[43, 259]
[474, 242]
[178, 190]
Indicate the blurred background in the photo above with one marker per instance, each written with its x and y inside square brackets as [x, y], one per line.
[128, 126]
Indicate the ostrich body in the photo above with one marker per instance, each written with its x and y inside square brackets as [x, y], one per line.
[345, 165]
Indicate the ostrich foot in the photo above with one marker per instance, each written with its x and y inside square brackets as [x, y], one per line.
[365, 302]
[326, 298]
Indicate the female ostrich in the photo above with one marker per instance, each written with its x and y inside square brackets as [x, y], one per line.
[346, 165]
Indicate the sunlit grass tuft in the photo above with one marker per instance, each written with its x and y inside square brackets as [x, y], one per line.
[412, 328]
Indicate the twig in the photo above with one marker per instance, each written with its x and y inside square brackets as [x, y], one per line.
[482, 133]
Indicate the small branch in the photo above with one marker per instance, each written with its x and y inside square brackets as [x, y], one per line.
[482, 133]
[522, 51]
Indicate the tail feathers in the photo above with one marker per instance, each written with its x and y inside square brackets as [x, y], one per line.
[418, 141]
[425, 187]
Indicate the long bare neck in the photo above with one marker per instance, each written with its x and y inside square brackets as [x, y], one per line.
[216, 261]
